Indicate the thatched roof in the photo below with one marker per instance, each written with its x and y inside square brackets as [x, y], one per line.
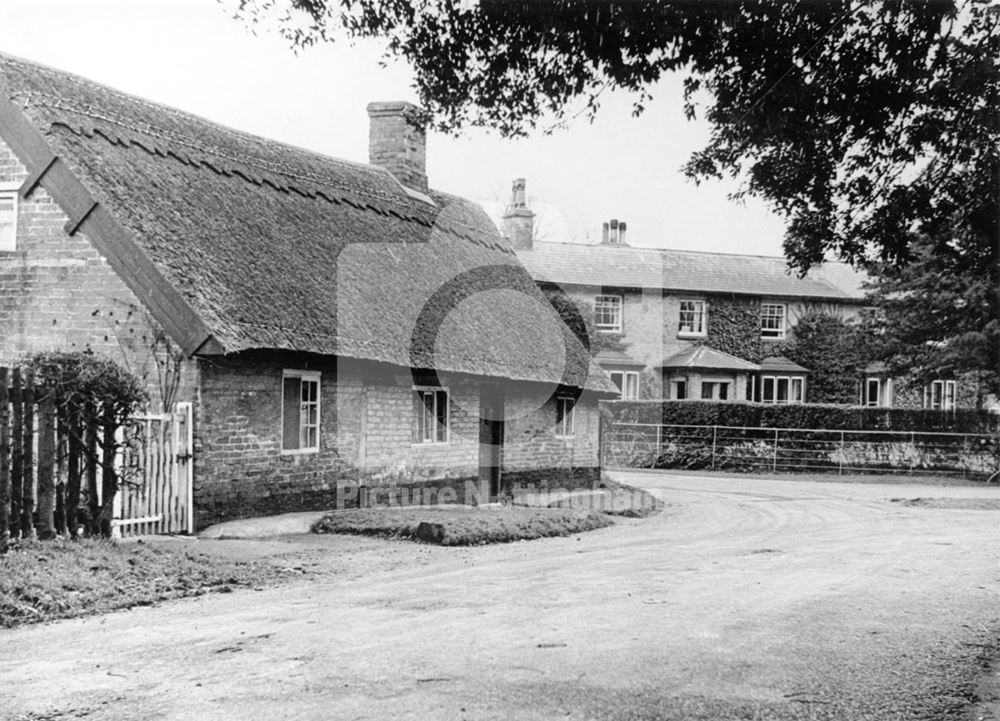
[239, 243]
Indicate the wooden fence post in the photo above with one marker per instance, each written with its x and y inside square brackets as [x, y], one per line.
[16, 452]
[46, 463]
[73, 431]
[774, 458]
[90, 441]
[28, 460]
[4, 464]
[109, 478]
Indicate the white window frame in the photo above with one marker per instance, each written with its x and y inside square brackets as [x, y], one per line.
[790, 383]
[10, 192]
[628, 386]
[675, 386]
[866, 392]
[613, 304]
[303, 377]
[565, 422]
[946, 396]
[774, 333]
[700, 311]
[435, 440]
[716, 384]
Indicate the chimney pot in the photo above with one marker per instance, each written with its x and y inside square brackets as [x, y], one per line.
[621, 233]
[397, 141]
[605, 233]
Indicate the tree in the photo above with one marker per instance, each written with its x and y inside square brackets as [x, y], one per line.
[863, 123]
[938, 317]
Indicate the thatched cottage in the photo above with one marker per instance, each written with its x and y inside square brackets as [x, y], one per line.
[330, 322]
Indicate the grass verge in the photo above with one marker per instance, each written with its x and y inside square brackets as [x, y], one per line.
[43, 581]
[462, 525]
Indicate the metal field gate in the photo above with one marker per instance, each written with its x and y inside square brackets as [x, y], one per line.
[161, 501]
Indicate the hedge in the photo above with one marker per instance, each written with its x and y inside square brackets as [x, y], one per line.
[802, 415]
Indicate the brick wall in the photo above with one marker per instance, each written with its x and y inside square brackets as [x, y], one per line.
[58, 293]
[366, 439]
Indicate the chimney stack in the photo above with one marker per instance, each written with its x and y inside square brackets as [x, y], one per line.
[397, 141]
[517, 224]
[613, 233]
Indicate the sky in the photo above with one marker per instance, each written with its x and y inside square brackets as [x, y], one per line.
[191, 54]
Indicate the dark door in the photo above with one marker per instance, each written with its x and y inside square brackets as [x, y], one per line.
[490, 437]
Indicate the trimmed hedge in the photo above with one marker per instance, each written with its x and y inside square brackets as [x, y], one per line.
[803, 415]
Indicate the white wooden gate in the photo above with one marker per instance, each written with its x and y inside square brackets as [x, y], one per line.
[161, 500]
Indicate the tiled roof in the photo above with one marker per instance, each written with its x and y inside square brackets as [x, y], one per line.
[616, 358]
[268, 246]
[704, 357]
[687, 270]
[781, 364]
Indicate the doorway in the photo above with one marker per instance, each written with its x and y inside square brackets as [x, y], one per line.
[491, 407]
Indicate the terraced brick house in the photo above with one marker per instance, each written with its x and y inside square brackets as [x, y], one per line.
[330, 322]
[711, 326]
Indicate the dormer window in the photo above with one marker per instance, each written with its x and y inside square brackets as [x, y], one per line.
[8, 220]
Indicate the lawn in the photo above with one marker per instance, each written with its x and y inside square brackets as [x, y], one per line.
[42, 581]
[462, 525]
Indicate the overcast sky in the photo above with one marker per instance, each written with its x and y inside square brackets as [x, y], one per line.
[192, 55]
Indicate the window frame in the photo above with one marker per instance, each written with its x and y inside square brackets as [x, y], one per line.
[715, 387]
[774, 333]
[789, 383]
[561, 430]
[623, 389]
[602, 299]
[10, 191]
[947, 399]
[435, 440]
[702, 314]
[303, 376]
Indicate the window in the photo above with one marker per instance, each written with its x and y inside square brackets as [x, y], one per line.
[608, 313]
[871, 391]
[628, 384]
[8, 220]
[692, 318]
[714, 390]
[680, 391]
[565, 417]
[430, 415]
[300, 412]
[772, 320]
[940, 396]
[782, 389]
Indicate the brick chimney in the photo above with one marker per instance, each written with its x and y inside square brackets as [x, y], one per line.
[518, 222]
[397, 141]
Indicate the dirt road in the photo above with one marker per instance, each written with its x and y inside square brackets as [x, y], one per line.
[746, 599]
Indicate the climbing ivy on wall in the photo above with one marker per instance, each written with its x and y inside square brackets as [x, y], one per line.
[734, 327]
[834, 351]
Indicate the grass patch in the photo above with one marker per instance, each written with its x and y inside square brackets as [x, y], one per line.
[43, 581]
[462, 525]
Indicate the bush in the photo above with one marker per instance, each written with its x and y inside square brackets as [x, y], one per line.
[802, 415]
